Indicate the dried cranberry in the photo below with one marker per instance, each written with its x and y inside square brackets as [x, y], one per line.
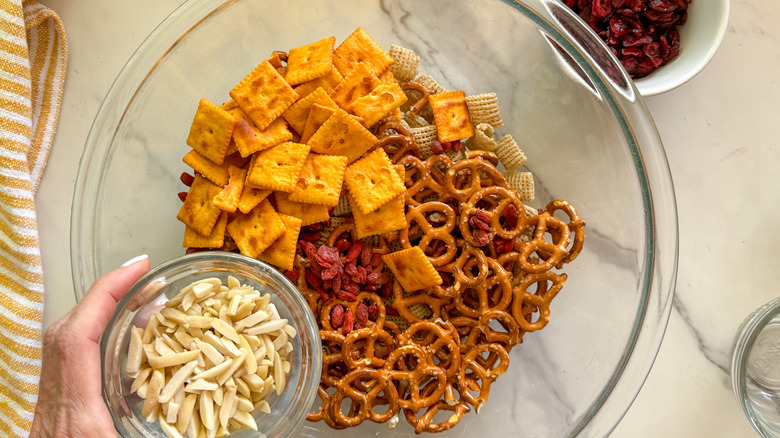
[481, 237]
[436, 147]
[292, 275]
[337, 316]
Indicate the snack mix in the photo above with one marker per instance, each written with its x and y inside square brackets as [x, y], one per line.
[389, 202]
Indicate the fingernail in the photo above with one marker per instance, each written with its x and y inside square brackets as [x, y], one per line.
[134, 260]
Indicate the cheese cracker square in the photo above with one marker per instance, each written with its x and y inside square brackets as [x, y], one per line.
[251, 197]
[218, 174]
[360, 49]
[278, 168]
[451, 115]
[320, 180]
[257, 230]
[318, 114]
[211, 131]
[412, 268]
[227, 198]
[359, 83]
[248, 139]
[380, 102]
[373, 181]
[263, 95]
[307, 213]
[197, 211]
[327, 83]
[297, 113]
[341, 134]
[310, 61]
[387, 218]
[281, 253]
[193, 239]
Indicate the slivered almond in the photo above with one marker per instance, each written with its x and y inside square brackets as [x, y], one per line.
[173, 359]
[201, 385]
[206, 410]
[135, 353]
[140, 379]
[185, 412]
[177, 381]
[266, 327]
[215, 370]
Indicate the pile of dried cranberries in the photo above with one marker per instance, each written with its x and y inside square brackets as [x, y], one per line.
[642, 33]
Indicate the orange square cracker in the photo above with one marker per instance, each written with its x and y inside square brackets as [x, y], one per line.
[278, 168]
[412, 269]
[257, 230]
[281, 253]
[318, 114]
[307, 213]
[341, 134]
[359, 83]
[327, 82]
[218, 174]
[192, 239]
[249, 139]
[380, 102]
[197, 211]
[263, 95]
[310, 61]
[360, 49]
[227, 198]
[387, 218]
[251, 197]
[297, 113]
[211, 130]
[320, 180]
[451, 115]
[373, 181]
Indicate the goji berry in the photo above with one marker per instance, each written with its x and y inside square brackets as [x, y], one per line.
[349, 322]
[337, 316]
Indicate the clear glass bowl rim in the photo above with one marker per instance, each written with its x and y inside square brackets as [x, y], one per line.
[307, 327]
[605, 73]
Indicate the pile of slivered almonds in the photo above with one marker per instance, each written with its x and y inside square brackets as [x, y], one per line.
[210, 358]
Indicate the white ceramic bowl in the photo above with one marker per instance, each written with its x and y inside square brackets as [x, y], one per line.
[700, 37]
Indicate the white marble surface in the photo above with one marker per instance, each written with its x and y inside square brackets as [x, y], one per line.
[721, 134]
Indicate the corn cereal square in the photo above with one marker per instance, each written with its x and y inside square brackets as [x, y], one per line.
[451, 115]
[360, 49]
[263, 95]
[373, 181]
[307, 213]
[227, 198]
[320, 180]
[412, 269]
[281, 253]
[298, 112]
[218, 174]
[341, 134]
[211, 130]
[193, 239]
[278, 168]
[197, 211]
[257, 230]
[310, 61]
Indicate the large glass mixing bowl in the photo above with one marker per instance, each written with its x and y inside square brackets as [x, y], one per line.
[564, 98]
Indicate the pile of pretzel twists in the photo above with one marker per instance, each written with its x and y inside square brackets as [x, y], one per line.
[388, 352]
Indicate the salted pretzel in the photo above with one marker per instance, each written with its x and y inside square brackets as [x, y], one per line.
[467, 176]
[422, 101]
[398, 144]
[419, 220]
[552, 252]
[475, 377]
[576, 225]
[411, 365]
[363, 386]
[404, 302]
[492, 202]
[425, 179]
[526, 303]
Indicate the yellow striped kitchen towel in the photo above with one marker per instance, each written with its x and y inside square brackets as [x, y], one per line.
[33, 55]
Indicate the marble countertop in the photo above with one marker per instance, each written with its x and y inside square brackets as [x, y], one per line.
[720, 131]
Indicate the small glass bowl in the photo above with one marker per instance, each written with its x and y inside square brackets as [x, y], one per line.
[755, 368]
[163, 282]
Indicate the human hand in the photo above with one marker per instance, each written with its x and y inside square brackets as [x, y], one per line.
[70, 401]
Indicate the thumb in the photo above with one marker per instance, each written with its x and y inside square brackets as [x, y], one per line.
[93, 312]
